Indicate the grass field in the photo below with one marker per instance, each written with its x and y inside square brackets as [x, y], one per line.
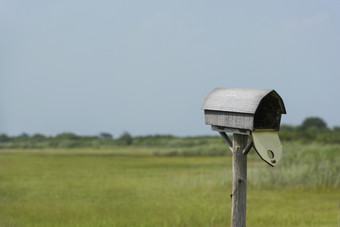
[133, 187]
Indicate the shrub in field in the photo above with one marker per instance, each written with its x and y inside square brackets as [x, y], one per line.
[105, 136]
[125, 139]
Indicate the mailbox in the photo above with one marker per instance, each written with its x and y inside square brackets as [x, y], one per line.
[255, 112]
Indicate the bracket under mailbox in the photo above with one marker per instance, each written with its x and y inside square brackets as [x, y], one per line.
[230, 144]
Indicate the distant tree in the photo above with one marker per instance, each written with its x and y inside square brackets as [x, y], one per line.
[105, 136]
[4, 138]
[24, 135]
[336, 129]
[126, 138]
[313, 122]
[67, 136]
[38, 137]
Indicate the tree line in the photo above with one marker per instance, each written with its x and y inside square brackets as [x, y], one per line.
[312, 129]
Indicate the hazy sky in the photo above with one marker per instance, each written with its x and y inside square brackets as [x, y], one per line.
[146, 66]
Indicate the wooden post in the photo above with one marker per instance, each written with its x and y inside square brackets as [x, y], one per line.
[239, 193]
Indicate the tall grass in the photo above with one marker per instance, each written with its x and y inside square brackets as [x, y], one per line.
[311, 165]
[133, 187]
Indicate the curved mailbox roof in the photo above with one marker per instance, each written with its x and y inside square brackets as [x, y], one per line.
[239, 100]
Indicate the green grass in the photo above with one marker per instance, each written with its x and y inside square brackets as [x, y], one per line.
[133, 187]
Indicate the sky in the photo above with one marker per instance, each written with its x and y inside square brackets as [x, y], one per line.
[145, 67]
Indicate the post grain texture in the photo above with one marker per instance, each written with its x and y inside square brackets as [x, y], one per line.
[239, 193]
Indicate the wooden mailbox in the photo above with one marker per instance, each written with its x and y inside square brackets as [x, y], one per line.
[255, 112]
[243, 110]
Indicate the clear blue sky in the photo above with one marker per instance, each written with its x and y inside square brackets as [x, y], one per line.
[146, 66]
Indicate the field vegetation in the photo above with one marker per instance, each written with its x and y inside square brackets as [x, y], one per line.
[133, 187]
[71, 180]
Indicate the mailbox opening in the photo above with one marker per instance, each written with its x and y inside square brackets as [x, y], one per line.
[268, 113]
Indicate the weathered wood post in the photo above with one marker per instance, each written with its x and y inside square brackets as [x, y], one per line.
[245, 112]
[239, 191]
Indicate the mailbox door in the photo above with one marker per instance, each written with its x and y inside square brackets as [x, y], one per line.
[268, 146]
